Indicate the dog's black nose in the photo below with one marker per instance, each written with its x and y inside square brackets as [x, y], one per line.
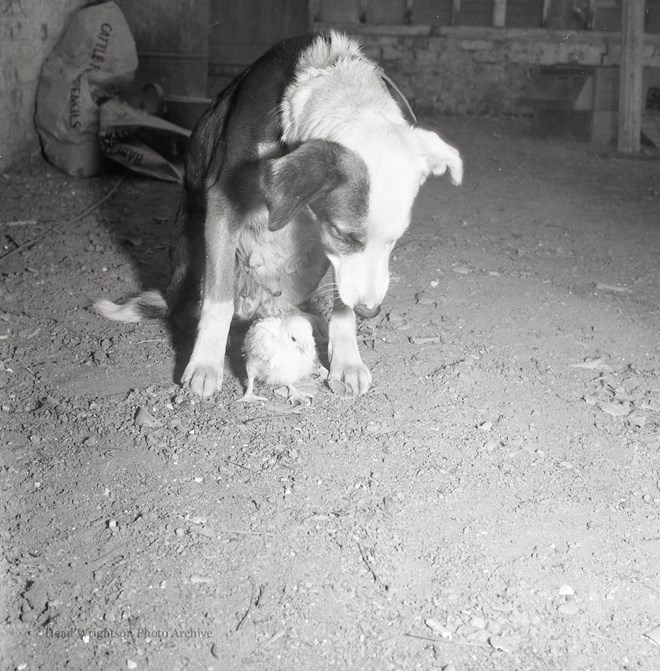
[365, 312]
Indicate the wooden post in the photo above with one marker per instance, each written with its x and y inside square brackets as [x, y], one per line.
[499, 13]
[455, 11]
[409, 11]
[545, 12]
[631, 69]
[592, 8]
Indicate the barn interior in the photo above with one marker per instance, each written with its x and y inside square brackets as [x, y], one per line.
[491, 503]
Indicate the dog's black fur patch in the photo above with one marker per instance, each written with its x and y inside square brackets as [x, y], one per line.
[343, 210]
[330, 178]
[223, 146]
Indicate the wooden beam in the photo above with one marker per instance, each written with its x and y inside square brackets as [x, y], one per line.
[499, 13]
[631, 69]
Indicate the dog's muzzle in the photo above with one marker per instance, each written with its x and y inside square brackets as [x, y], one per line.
[365, 312]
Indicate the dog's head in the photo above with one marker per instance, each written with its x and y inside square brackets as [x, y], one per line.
[362, 198]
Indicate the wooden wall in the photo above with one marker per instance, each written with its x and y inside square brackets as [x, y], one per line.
[602, 15]
[172, 42]
[241, 31]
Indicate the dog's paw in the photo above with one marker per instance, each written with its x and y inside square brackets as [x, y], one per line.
[355, 376]
[203, 379]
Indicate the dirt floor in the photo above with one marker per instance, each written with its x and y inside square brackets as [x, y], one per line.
[492, 503]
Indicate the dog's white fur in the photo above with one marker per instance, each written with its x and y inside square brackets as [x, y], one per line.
[135, 310]
[339, 95]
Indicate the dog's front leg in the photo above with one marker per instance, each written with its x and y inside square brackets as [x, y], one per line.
[205, 369]
[345, 362]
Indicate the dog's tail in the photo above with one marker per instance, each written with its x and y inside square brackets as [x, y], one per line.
[148, 305]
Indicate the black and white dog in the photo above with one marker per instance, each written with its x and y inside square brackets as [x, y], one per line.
[304, 160]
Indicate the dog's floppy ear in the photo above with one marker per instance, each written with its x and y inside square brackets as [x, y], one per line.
[438, 155]
[295, 180]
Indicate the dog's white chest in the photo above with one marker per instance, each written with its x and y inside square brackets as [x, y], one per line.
[278, 270]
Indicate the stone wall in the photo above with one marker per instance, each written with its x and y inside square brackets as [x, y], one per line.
[28, 31]
[474, 70]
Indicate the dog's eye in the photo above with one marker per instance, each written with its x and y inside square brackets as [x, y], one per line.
[335, 230]
[294, 338]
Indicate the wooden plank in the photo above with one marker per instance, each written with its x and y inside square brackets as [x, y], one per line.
[455, 12]
[172, 42]
[545, 12]
[432, 12]
[476, 13]
[391, 12]
[607, 15]
[565, 15]
[524, 13]
[499, 13]
[339, 11]
[243, 31]
[631, 71]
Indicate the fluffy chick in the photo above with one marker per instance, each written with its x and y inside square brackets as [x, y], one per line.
[279, 351]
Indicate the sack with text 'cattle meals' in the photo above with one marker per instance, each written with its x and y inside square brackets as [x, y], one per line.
[95, 57]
